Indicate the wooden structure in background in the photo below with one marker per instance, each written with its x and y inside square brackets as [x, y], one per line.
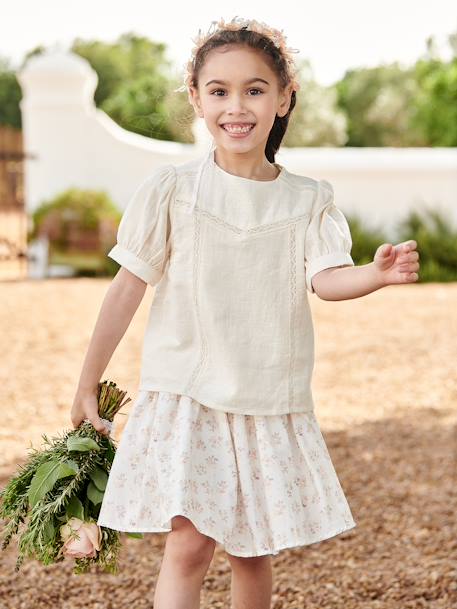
[13, 216]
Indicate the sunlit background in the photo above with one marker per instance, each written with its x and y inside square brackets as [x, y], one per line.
[87, 111]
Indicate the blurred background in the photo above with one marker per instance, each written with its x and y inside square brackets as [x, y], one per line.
[88, 110]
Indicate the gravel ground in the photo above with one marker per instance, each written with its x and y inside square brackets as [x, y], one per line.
[385, 391]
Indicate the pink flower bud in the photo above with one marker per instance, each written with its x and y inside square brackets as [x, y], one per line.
[81, 539]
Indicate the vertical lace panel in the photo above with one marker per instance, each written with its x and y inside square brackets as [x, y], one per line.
[292, 310]
[195, 279]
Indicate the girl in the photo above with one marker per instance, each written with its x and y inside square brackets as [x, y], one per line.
[222, 443]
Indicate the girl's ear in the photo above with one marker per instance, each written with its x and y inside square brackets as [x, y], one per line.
[194, 100]
[284, 100]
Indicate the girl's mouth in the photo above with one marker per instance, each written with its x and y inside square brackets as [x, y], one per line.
[237, 130]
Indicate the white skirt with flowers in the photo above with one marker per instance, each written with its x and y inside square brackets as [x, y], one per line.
[256, 484]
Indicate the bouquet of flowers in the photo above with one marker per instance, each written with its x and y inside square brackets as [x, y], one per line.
[57, 495]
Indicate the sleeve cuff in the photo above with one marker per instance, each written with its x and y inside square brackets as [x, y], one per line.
[148, 273]
[325, 262]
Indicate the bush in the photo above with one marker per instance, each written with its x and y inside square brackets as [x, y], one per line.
[437, 241]
[81, 227]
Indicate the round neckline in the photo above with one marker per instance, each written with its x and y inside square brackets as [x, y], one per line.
[279, 177]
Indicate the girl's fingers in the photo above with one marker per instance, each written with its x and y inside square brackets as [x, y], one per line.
[76, 422]
[409, 246]
[406, 276]
[408, 258]
[409, 267]
[99, 425]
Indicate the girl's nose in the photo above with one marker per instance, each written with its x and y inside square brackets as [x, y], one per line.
[236, 104]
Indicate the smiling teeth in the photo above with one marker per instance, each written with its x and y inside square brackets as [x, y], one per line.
[238, 129]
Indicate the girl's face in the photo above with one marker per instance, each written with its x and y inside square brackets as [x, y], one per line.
[238, 91]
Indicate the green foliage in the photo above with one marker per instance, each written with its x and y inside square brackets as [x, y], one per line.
[87, 207]
[389, 105]
[47, 475]
[437, 242]
[378, 105]
[134, 83]
[96, 264]
[74, 509]
[94, 494]
[67, 479]
[84, 444]
[316, 119]
[81, 226]
[139, 106]
[128, 59]
[99, 478]
[40, 539]
[435, 106]
[10, 96]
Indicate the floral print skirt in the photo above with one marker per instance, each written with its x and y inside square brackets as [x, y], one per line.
[256, 484]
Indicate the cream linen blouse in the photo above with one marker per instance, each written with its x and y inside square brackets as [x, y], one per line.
[231, 259]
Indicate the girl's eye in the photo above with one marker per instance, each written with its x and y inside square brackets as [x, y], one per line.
[216, 90]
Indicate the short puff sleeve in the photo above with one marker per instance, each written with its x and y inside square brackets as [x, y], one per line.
[328, 239]
[143, 229]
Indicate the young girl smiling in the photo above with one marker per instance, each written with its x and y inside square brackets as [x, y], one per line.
[222, 443]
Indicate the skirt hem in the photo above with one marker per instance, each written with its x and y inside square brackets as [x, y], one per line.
[226, 545]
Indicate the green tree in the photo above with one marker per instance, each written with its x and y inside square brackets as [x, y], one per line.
[10, 96]
[316, 119]
[133, 75]
[10, 90]
[435, 116]
[378, 105]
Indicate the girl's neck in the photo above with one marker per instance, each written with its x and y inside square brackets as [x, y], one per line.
[247, 165]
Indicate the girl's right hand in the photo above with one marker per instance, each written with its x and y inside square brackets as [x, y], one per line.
[85, 406]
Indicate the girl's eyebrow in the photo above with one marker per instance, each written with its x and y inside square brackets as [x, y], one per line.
[247, 82]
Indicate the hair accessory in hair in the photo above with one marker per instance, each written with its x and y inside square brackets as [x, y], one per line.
[238, 23]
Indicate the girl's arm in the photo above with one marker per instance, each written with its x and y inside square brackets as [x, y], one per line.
[119, 306]
[391, 265]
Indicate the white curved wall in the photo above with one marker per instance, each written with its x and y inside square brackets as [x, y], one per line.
[78, 145]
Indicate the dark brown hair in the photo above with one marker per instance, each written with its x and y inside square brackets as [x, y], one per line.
[276, 61]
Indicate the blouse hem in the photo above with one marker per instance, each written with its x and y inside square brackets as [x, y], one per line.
[201, 399]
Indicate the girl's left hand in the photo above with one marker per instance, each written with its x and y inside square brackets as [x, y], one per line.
[397, 264]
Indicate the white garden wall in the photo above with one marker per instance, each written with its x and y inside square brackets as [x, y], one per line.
[78, 145]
